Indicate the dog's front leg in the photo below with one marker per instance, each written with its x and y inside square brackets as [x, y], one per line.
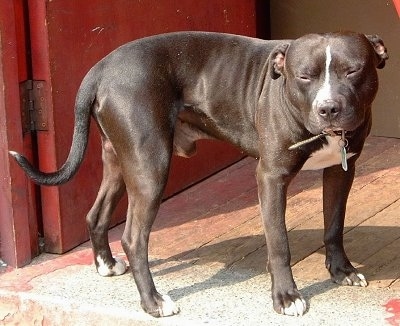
[272, 189]
[337, 184]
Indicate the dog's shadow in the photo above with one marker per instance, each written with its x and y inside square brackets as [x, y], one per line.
[234, 268]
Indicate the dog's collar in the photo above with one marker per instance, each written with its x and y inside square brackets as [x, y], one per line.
[343, 142]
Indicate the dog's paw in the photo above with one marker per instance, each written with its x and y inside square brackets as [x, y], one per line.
[353, 279]
[105, 269]
[346, 275]
[290, 303]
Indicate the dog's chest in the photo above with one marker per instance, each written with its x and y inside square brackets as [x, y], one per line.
[329, 155]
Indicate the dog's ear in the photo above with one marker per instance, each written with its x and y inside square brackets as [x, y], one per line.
[380, 50]
[277, 60]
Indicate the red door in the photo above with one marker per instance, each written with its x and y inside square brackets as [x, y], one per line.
[66, 39]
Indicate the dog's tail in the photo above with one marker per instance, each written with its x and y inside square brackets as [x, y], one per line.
[83, 107]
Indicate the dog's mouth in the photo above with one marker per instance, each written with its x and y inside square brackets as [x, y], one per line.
[334, 132]
[345, 122]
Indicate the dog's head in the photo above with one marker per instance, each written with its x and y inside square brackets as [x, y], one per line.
[330, 78]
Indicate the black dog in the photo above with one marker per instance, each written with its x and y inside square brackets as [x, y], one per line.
[293, 104]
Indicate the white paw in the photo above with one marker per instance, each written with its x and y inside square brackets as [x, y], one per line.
[168, 307]
[359, 280]
[296, 308]
[118, 269]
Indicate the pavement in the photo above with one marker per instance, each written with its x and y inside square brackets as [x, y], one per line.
[66, 290]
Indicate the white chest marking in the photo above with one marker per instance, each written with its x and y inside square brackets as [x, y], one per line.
[327, 156]
[324, 93]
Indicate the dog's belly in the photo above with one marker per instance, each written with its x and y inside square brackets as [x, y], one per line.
[194, 124]
[327, 156]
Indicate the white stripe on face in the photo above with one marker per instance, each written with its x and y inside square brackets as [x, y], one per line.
[324, 93]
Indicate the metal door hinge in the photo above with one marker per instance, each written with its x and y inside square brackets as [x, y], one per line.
[34, 106]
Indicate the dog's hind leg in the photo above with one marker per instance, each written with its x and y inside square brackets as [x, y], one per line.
[145, 186]
[98, 219]
[140, 126]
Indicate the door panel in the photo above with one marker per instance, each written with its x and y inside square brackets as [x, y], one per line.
[76, 34]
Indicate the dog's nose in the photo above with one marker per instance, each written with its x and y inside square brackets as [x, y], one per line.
[329, 109]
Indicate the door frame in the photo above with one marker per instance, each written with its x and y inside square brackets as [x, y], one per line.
[18, 218]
